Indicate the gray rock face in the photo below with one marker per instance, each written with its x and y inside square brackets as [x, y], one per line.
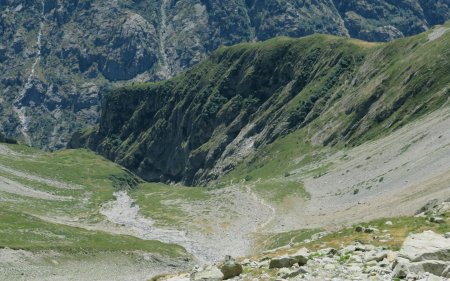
[426, 246]
[51, 50]
[424, 252]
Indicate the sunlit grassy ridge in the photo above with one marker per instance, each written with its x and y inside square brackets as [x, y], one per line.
[289, 98]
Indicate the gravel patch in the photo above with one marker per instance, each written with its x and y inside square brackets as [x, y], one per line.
[212, 229]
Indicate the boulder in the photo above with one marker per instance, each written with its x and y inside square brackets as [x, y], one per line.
[210, 273]
[283, 261]
[370, 230]
[401, 268]
[446, 272]
[328, 252]
[426, 246]
[301, 256]
[436, 219]
[359, 228]
[424, 252]
[405, 268]
[287, 273]
[230, 268]
[375, 255]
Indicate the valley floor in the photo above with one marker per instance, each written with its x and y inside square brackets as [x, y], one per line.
[63, 211]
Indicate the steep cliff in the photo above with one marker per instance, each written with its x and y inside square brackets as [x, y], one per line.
[58, 56]
[199, 125]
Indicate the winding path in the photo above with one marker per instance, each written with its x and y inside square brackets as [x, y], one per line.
[263, 203]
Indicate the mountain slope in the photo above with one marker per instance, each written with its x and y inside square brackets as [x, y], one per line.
[199, 125]
[72, 215]
[57, 57]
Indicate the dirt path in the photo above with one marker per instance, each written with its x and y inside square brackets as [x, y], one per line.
[272, 209]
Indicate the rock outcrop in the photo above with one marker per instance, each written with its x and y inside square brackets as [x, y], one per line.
[423, 256]
[58, 57]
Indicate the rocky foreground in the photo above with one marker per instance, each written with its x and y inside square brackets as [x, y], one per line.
[423, 256]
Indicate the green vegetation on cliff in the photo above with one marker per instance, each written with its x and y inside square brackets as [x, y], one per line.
[283, 98]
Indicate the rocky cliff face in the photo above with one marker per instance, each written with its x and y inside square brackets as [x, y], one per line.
[197, 126]
[57, 56]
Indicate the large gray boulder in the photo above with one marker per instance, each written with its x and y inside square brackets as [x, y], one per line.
[426, 246]
[300, 258]
[424, 252]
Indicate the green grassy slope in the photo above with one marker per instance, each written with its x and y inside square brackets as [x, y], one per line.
[84, 181]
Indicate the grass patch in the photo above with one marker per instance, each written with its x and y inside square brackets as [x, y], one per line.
[93, 173]
[95, 179]
[154, 201]
[22, 231]
[278, 159]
